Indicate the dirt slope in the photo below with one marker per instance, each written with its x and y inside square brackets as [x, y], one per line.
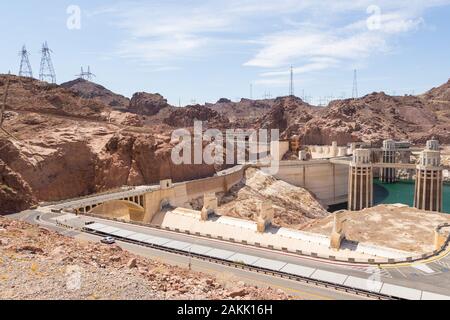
[294, 207]
[39, 264]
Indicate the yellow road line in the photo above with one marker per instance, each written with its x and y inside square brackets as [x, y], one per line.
[427, 261]
[316, 296]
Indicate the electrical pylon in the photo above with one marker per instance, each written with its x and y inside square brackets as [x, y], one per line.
[25, 66]
[355, 85]
[47, 72]
[291, 86]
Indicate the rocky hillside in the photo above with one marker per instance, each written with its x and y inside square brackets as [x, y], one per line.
[185, 117]
[376, 117]
[294, 207]
[89, 90]
[147, 104]
[71, 141]
[15, 193]
[63, 146]
[243, 112]
[289, 115]
[39, 264]
[439, 94]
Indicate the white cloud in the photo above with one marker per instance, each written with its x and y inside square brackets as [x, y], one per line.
[313, 35]
[284, 48]
[315, 64]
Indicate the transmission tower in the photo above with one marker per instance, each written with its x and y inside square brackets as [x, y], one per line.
[355, 85]
[25, 66]
[86, 75]
[47, 72]
[291, 86]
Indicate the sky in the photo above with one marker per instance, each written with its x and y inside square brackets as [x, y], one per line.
[199, 51]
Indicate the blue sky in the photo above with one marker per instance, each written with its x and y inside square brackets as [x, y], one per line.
[204, 50]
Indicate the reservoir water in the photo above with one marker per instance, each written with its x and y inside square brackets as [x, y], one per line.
[403, 192]
[399, 192]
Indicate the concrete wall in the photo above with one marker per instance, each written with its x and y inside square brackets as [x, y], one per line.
[278, 153]
[119, 209]
[327, 181]
[180, 194]
[329, 151]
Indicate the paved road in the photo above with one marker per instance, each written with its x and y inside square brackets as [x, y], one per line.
[433, 276]
[297, 289]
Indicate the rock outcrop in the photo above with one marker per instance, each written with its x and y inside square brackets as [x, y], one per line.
[73, 149]
[15, 193]
[289, 115]
[89, 90]
[374, 118]
[147, 104]
[294, 207]
[242, 113]
[185, 117]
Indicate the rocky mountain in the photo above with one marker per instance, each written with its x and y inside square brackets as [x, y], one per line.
[376, 117]
[62, 146]
[147, 104]
[89, 90]
[288, 114]
[242, 112]
[185, 117]
[439, 94]
[372, 118]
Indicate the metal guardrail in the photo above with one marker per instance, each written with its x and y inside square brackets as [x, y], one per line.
[87, 197]
[370, 261]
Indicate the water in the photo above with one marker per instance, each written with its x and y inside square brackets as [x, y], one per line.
[403, 192]
[399, 192]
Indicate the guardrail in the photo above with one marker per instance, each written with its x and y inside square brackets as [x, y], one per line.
[106, 192]
[369, 261]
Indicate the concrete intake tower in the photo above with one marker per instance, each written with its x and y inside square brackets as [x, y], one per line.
[360, 193]
[429, 182]
[388, 155]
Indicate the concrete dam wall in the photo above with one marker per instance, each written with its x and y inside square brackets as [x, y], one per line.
[326, 180]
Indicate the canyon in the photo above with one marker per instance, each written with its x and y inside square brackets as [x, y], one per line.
[80, 138]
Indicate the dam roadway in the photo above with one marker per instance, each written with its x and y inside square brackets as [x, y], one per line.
[428, 280]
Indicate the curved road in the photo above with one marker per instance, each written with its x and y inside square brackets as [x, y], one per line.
[432, 276]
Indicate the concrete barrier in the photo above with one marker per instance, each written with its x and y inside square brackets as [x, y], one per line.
[376, 261]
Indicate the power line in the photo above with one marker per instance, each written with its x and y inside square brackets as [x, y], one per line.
[86, 75]
[25, 66]
[355, 85]
[291, 86]
[47, 72]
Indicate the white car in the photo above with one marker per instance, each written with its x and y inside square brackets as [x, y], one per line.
[108, 240]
